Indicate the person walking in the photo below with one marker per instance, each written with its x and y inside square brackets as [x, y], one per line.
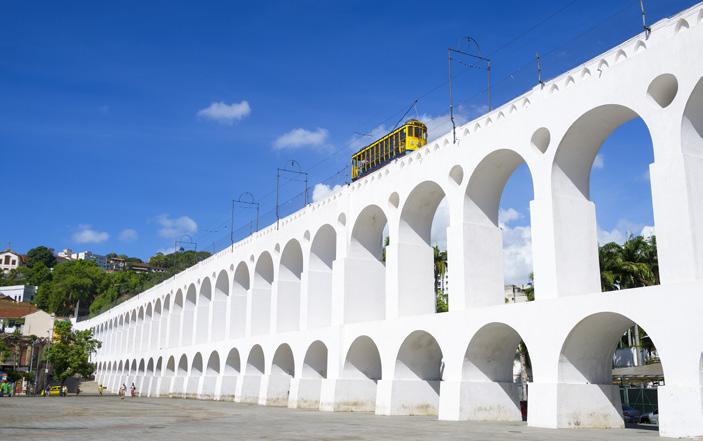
[100, 390]
[133, 390]
[64, 390]
[123, 391]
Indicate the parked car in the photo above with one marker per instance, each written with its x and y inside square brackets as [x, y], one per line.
[55, 391]
[630, 414]
[650, 417]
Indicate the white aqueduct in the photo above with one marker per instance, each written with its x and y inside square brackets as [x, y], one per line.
[310, 315]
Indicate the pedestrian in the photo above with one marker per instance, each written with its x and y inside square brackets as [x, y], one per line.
[47, 390]
[100, 390]
[133, 390]
[64, 390]
[123, 390]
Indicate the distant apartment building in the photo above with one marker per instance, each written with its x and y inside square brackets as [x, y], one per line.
[10, 260]
[516, 293]
[19, 293]
[120, 264]
[68, 254]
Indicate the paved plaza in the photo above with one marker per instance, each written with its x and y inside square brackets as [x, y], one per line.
[108, 418]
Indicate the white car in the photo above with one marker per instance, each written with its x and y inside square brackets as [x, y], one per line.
[650, 417]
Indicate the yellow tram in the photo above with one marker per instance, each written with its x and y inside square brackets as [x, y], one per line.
[410, 136]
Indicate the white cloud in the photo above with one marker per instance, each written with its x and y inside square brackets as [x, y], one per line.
[647, 231]
[128, 235]
[599, 162]
[321, 191]
[225, 113]
[175, 227]
[359, 140]
[438, 234]
[86, 234]
[299, 138]
[507, 216]
[517, 254]
[622, 230]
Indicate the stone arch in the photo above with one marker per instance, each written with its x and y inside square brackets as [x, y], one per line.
[255, 361]
[692, 123]
[367, 278]
[202, 313]
[182, 369]
[484, 272]
[323, 253]
[213, 364]
[261, 294]
[155, 325]
[362, 370]
[163, 323]
[132, 330]
[189, 316]
[171, 366]
[197, 365]
[585, 370]
[290, 271]
[157, 370]
[487, 374]
[218, 325]
[176, 316]
[418, 371]
[150, 366]
[282, 370]
[315, 362]
[415, 252]
[575, 223]
[232, 364]
[238, 311]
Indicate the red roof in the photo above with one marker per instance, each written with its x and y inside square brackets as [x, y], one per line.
[11, 309]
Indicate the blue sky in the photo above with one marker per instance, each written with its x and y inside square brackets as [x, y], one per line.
[125, 125]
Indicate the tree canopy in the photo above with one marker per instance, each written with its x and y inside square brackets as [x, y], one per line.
[41, 254]
[69, 353]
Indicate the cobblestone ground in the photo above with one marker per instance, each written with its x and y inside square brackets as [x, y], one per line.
[108, 418]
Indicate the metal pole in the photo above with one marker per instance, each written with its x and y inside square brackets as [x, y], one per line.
[231, 227]
[278, 175]
[490, 107]
[257, 216]
[539, 68]
[647, 29]
[306, 189]
[451, 98]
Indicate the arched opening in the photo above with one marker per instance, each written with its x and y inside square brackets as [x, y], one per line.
[282, 370]
[163, 323]
[365, 278]
[418, 372]
[202, 322]
[189, 316]
[497, 223]
[261, 295]
[196, 371]
[238, 311]
[155, 326]
[179, 386]
[289, 275]
[121, 336]
[174, 327]
[323, 253]
[313, 372]
[692, 147]
[210, 379]
[139, 336]
[132, 373]
[218, 326]
[148, 379]
[422, 251]
[496, 372]
[132, 331]
[253, 372]
[609, 136]
[356, 390]
[609, 371]
[315, 363]
[169, 375]
[231, 373]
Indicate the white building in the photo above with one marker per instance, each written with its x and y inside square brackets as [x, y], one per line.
[19, 293]
[10, 260]
[68, 254]
[308, 313]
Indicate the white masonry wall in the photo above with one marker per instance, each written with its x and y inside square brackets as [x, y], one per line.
[309, 315]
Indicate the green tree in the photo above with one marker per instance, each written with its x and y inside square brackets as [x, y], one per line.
[41, 254]
[631, 265]
[69, 353]
[440, 269]
[72, 281]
